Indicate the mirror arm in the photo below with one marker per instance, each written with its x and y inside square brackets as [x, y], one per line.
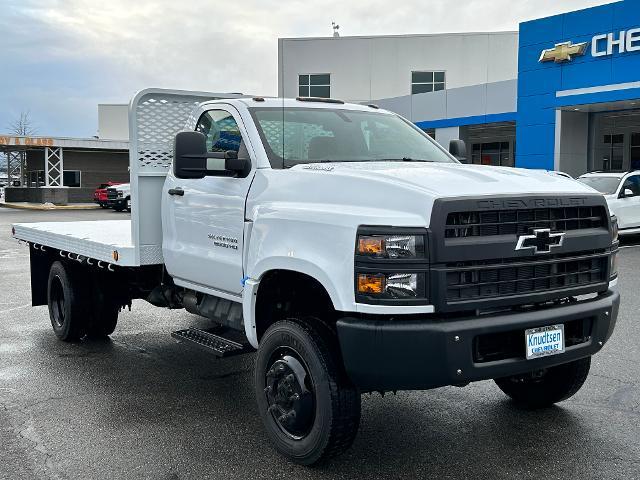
[236, 164]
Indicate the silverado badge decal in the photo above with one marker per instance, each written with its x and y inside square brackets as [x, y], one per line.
[319, 168]
[224, 241]
[542, 241]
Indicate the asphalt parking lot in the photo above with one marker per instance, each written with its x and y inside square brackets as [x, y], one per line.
[143, 406]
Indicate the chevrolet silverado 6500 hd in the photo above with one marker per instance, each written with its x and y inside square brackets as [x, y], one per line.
[349, 249]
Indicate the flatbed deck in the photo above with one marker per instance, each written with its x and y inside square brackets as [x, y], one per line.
[97, 240]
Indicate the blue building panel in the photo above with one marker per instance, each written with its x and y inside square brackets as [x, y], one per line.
[539, 82]
[584, 75]
[544, 162]
[537, 139]
[624, 13]
[625, 69]
[465, 121]
[537, 31]
[541, 108]
[590, 21]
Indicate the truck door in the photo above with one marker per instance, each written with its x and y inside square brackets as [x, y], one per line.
[203, 223]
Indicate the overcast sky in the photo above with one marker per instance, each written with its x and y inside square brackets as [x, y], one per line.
[60, 58]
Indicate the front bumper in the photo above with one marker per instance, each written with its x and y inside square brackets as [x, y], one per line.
[395, 354]
[117, 203]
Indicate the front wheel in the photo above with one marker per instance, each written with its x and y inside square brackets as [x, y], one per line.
[310, 409]
[543, 388]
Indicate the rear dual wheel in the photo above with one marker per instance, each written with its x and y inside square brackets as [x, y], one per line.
[310, 409]
[78, 306]
[66, 304]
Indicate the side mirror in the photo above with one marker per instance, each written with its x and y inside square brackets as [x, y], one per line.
[627, 192]
[458, 149]
[191, 159]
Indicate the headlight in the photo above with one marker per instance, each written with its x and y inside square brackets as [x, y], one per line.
[119, 194]
[391, 266]
[390, 246]
[614, 228]
[394, 286]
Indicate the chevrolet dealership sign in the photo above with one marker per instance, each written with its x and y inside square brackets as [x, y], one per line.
[601, 46]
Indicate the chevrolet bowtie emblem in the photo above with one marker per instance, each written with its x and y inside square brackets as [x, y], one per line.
[542, 241]
[563, 52]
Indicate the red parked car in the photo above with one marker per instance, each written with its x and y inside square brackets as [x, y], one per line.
[100, 195]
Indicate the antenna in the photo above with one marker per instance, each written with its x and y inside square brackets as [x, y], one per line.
[335, 29]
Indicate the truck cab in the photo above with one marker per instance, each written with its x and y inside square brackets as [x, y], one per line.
[350, 250]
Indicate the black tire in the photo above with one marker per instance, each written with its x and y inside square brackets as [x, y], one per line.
[102, 205]
[67, 302]
[326, 392]
[544, 388]
[103, 316]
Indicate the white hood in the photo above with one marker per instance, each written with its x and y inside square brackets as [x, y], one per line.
[453, 180]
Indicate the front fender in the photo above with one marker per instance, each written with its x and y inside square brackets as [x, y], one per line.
[320, 250]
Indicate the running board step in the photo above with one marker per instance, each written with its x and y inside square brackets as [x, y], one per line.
[219, 346]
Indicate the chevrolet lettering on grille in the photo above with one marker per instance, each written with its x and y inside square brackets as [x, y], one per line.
[542, 241]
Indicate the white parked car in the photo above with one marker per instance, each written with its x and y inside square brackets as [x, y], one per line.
[119, 197]
[622, 191]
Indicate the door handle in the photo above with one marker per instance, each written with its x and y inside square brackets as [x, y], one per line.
[176, 191]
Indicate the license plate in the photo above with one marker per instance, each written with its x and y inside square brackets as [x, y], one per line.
[544, 341]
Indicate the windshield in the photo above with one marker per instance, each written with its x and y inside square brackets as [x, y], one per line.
[605, 185]
[307, 135]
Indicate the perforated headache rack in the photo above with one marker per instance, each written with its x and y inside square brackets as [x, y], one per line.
[155, 116]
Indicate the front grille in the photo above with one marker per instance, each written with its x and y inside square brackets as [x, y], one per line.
[521, 222]
[499, 278]
[112, 194]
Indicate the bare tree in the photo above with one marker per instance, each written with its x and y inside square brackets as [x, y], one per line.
[23, 125]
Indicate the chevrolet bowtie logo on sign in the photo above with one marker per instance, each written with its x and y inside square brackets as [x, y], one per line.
[564, 52]
[542, 241]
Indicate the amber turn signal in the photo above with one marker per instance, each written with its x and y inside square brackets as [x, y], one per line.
[370, 283]
[370, 245]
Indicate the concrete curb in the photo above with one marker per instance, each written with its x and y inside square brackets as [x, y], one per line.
[42, 207]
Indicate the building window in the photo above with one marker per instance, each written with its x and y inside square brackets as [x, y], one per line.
[635, 151]
[71, 178]
[314, 85]
[613, 157]
[493, 153]
[36, 178]
[431, 132]
[425, 82]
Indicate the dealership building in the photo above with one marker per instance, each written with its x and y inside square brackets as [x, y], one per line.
[62, 170]
[562, 93]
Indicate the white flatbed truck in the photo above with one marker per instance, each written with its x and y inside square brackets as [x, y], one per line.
[349, 249]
